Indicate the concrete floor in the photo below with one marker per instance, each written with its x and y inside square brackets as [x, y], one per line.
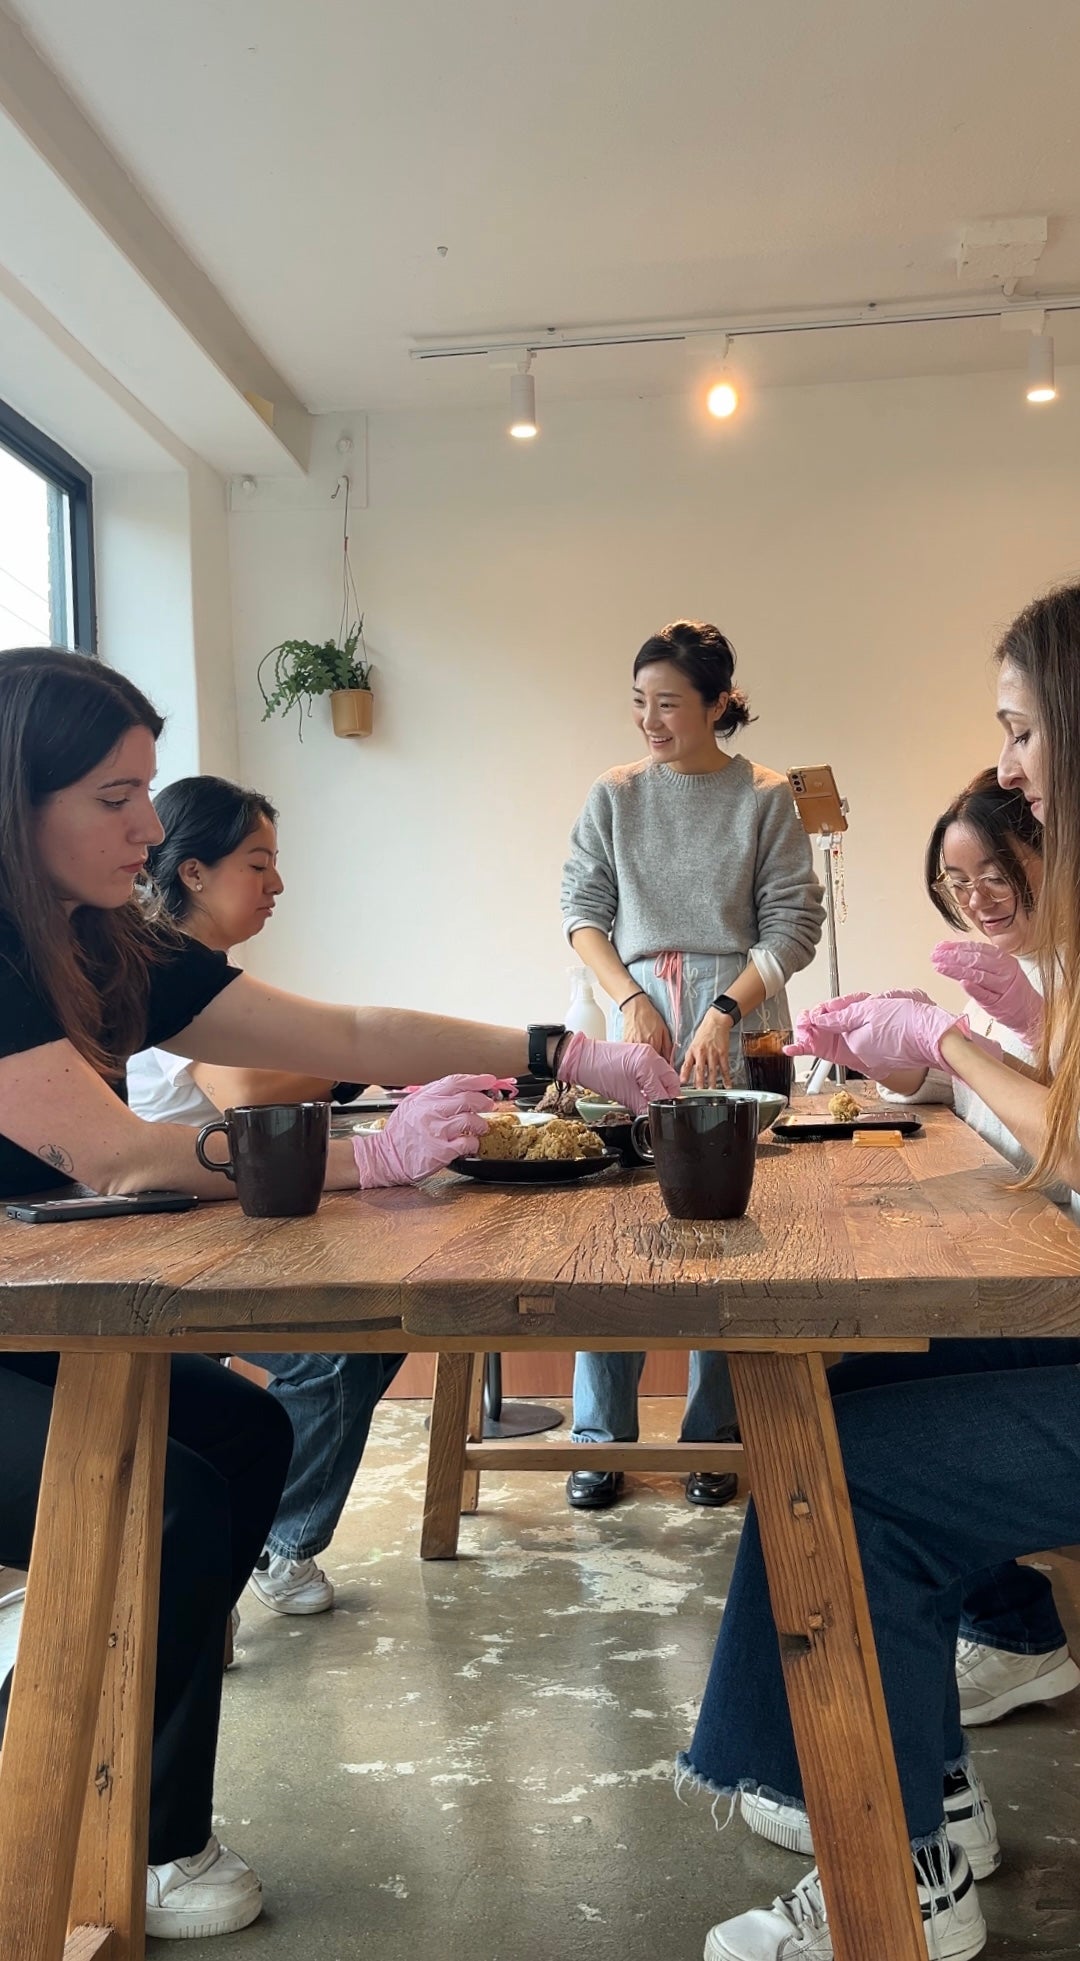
[472, 1761]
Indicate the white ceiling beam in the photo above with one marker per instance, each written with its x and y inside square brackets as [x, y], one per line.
[50, 121]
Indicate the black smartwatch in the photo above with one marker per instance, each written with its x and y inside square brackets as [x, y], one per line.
[540, 1034]
[724, 1005]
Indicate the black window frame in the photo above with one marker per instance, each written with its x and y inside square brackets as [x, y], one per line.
[33, 447]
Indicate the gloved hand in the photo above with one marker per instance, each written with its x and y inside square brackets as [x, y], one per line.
[881, 1035]
[996, 981]
[630, 1073]
[427, 1131]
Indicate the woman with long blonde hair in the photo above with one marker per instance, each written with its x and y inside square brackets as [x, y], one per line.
[933, 1502]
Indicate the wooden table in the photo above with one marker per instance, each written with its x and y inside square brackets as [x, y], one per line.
[842, 1248]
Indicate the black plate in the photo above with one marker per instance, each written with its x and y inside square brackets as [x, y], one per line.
[535, 1171]
[810, 1130]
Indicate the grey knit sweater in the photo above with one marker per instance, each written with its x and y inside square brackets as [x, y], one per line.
[717, 863]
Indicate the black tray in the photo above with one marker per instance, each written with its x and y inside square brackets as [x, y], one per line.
[535, 1171]
[826, 1130]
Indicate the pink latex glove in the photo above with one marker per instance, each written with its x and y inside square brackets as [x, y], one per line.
[630, 1073]
[996, 981]
[881, 1035]
[427, 1131]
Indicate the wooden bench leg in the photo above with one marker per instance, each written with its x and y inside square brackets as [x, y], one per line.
[446, 1455]
[110, 1872]
[56, 1692]
[474, 1434]
[830, 1662]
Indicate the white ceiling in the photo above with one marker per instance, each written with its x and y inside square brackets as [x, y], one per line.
[583, 161]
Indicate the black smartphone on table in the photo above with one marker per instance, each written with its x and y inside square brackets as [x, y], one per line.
[55, 1211]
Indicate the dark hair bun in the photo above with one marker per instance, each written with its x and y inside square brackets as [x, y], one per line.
[736, 715]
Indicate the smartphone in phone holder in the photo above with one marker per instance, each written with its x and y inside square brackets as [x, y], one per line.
[824, 815]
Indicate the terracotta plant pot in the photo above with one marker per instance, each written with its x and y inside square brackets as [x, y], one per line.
[351, 709]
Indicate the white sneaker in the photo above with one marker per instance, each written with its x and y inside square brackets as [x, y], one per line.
[215, 1892]
[795, 1928]
[992, 1681]
[291, 1586]
[969, 1821]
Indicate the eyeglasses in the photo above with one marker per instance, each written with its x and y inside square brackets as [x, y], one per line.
[993, 885]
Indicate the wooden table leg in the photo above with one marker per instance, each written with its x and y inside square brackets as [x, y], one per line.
[830, 1662]
[110, 1872]
[474, 1434]
[56, 1692]
[446, 1454]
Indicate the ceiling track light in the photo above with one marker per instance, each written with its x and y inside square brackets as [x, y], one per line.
[722, 398]
[1040, 375]
[523, 422]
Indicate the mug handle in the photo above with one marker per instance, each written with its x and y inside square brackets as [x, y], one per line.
[644, 1151]
[209, 1164]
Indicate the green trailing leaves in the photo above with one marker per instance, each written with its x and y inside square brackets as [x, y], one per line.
[302, 669]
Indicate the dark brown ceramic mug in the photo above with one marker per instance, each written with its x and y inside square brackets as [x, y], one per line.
[277, 1156]
[704, 1150]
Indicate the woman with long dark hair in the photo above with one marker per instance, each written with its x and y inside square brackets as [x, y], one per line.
[216, 871]
[972, 1458]
[690, 893]
[88, 976]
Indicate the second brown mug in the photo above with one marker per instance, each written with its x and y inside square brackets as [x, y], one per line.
[277, 1156]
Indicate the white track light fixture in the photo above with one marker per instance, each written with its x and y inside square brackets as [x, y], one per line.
[522, 422]
[722, 399]
[1040, 377]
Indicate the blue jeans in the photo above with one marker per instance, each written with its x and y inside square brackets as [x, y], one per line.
[330, 1400]
[1009, 1606]
[949, 1474]
[605, 1399]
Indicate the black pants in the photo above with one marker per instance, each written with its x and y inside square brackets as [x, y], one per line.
[225, 1468]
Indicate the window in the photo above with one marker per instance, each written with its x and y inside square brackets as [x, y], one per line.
[46, 542]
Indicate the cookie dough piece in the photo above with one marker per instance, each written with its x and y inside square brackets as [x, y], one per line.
[843, 1107]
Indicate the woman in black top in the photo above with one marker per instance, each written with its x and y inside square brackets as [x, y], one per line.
[89, 975]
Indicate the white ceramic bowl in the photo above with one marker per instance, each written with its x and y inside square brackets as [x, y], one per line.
[592, 1109]
[768, 1101]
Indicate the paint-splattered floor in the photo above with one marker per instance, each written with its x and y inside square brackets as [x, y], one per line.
[472, 1761]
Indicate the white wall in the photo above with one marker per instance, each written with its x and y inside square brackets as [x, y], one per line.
[143, 554]
[861, 544]
[161, 550]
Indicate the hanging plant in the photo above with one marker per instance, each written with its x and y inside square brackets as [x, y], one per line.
[341, 668]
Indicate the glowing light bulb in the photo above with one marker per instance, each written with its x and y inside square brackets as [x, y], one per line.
[722, 399]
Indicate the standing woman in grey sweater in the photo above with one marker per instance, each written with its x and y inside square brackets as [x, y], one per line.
[690, 893]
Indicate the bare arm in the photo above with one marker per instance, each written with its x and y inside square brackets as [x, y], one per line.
[595, 949]
[252, 1026]
[231, 1089]
[1010, 1090]
[57, 1108]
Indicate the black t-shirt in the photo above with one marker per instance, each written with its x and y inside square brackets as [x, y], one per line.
[182, 983]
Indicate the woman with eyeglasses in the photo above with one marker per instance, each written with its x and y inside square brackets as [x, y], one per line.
[984, 874]
[969, 1457]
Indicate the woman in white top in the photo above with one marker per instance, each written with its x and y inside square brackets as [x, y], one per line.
[216, 871]
[984, 870]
